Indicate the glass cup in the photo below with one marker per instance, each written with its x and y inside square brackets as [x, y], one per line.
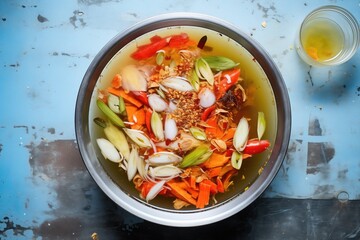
[328, 36]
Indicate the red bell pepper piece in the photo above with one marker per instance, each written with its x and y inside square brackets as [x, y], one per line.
[149, 50]
[142, 97]
[255, 146]
[179, 41]
[227, 80]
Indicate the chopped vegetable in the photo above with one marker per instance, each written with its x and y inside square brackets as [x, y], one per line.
[132, 163]
[204, 71]
[204, 195]
[198, 133]
[236, 160]
[161, 158]
[133, 79]
[241, 135]
[108, 150]
[157, 103]
[220, 63]
[109, 113]
[157, 126]
[170, 129]
[155, 190]
[207, 97]
[228, 79]
[261, 125]
[193, 156]
[177, 83]
[160, 55]
[149, 50]
[118, 139]
[138, 137]
[256, 146]
[127, 96]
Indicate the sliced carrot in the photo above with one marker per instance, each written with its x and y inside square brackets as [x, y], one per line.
[213, 172]
[204, 195]
[127, 96]
[116, 81]
[178, 191]
[213, 186]
[224, 170]
[213, 131]
[220, 185]
[229, 134]
[194, 193]
[216, 160]
[130, 111]
[139, 116]
[193, 182]
[227, 179]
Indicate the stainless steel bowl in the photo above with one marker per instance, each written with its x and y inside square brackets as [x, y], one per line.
[117, 187]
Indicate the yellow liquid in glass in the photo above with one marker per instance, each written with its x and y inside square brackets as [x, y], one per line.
[322, 39]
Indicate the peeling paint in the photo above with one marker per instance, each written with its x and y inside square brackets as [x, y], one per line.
[11, 228]
[77, 21]
[42, 19]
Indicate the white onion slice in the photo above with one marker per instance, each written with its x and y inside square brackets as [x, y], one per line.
[207, 97]
[177, 83]
[133, 79]
[108, 150]
[241, 134]
[162, 158]
[132, 164]
[157, 103]
[171, 129]
[154, 191]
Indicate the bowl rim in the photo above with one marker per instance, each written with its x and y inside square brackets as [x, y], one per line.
[185, 218]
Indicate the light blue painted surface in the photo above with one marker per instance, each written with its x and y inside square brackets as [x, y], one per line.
[42, 64]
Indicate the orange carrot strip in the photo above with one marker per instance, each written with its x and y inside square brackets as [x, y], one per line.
[213, 186]
[220, 185]
[213, 172]
[193, 182]
[225, 169]
[213, 131]
[179, 192]
[130, 111]
[227, 179]
[116, 81]
[127, 97]
[216, 160]
[194, 193]
[204, 195]
[229, 134]
[139, 116]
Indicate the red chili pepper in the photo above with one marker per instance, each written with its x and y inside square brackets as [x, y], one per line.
[142, 97]
[227, 80]
[179, 41]
[148, 50]
[207, 112]
[255, 146]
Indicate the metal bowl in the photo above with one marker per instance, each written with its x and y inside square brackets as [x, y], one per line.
[258, 176]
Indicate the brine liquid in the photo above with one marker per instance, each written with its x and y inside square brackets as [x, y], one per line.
[322, 39]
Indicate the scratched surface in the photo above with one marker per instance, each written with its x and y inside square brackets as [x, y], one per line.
[45, 190]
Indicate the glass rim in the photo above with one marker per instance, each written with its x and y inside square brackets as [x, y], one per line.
[355, 29]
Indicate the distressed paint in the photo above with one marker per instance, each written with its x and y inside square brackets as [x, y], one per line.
[46, 192]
